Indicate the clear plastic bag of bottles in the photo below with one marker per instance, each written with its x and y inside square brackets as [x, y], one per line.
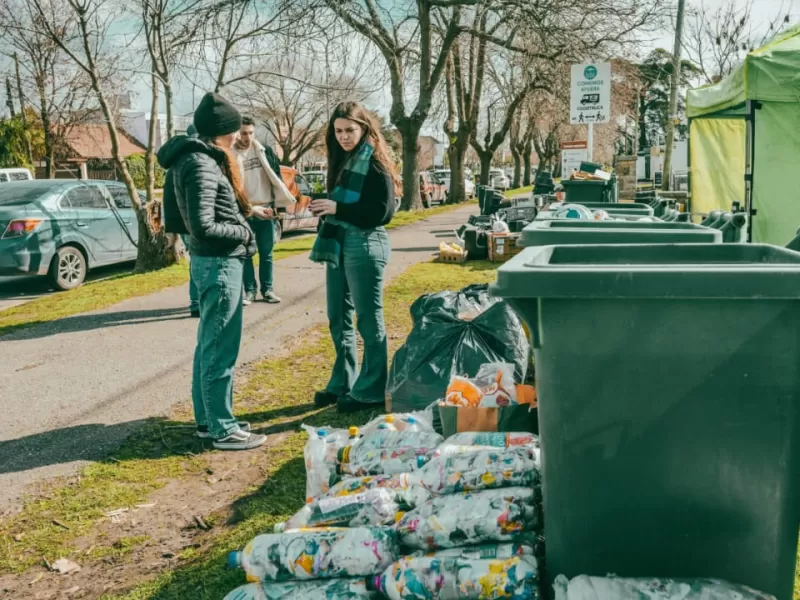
[478, 470]
[373, 507]
[323, 553]
[442, 576]
[320, 453]
[504, 515]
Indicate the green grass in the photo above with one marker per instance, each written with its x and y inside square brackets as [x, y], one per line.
[101, 294]
[519, 191]
[278, 392]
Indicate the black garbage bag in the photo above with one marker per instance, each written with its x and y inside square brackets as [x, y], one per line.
[454, 333]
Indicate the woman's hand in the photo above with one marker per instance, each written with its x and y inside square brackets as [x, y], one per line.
[320, 208]
[262, 212]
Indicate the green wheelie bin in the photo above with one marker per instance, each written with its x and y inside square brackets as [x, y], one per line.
[585, 231]
[670, 443]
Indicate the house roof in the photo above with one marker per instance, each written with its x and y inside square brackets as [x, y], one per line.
[93, 141]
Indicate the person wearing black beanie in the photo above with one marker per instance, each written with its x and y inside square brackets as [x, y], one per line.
[208, 191]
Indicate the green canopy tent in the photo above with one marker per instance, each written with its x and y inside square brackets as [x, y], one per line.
[744, 141]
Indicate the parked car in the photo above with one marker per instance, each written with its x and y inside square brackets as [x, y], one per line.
[431, 191]
[65, 228]
[444, 177]
[318, 180]
[298, 216]
[498, 179]
[7, 175]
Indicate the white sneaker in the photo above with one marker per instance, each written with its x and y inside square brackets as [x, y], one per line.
[205, 434]
[240, 440]
[249, 298]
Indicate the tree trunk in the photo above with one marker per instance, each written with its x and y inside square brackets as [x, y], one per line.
[170, 115]
[526, 161]
[49, 145]
[457, 153]
[517, 183]
[486, 164]
[27, 136]
[411, 198]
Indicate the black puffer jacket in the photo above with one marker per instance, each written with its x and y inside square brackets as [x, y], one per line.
[204, 198]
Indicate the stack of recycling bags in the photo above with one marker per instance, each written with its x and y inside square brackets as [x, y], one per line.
[396, 512]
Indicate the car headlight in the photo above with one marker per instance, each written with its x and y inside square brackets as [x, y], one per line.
[20, 228]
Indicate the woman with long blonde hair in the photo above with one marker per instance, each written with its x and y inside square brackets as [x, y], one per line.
[354, 245]
[209, 195]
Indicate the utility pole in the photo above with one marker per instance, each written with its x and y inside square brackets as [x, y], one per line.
[28, 147]
[666, 169]
[10, 99]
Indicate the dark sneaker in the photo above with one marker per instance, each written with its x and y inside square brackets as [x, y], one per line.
[271, 298]
[240, 440]
[322, 399]
[347, 404]
[194, 313]
[202, 430]
[249, 298]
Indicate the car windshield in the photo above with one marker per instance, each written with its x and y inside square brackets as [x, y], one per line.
[18, 193]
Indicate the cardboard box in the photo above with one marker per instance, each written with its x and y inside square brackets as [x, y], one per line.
[502, 246]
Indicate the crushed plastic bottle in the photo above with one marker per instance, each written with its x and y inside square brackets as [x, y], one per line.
[438, 577]
[323, 553]
[505, 515]
[373, 507]
[484, 551]
[319, 589]
[614, 588]
[320, 454]
[477, 470]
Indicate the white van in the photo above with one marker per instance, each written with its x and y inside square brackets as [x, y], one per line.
[7, 175]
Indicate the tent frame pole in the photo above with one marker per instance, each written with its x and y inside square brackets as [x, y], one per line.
[749, 162]
[689, 165]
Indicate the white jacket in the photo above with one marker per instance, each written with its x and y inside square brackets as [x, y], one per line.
[281, 195]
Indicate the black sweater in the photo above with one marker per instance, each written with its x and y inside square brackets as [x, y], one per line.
[376, 205]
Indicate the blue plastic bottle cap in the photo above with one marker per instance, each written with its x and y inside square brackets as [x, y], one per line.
[412, 420]
[421, 461]
[234, 560]
[322, 432]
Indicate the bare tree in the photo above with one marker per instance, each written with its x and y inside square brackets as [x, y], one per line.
[409, 40]
[234, 35]
[310, 77]
[47, 81]
[170, 29]
[717, 40]
[81, 29]
[521, 143]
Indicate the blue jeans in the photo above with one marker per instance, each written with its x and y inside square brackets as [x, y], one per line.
[219, 283]
[357, 288]
[265, 240]
[194, 297]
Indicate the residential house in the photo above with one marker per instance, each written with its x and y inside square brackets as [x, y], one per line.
[85, 153]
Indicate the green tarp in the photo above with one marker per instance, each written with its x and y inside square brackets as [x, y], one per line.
[769, 75]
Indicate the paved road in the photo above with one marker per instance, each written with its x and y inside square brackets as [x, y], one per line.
[71, 390]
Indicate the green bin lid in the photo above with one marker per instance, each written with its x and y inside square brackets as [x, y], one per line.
[755, 272]
[580, 231]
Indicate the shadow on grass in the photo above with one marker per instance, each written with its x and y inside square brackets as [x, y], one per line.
[142, 439]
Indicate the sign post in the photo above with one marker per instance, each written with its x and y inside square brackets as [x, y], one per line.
[590, 97]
